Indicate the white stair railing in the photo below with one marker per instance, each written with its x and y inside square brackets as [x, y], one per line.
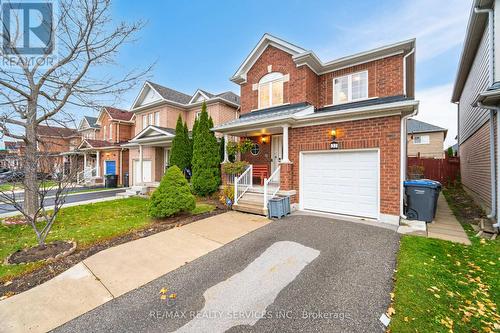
[86, 175]
[271, 186]
[243, 183]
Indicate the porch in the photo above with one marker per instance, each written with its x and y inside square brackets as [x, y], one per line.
[149, 157]
[266, 175]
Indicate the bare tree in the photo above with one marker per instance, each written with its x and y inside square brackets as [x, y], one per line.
[32, 93]
[53, 186]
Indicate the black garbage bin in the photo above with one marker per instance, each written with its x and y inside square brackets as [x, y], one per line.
[125, 179]
[110, 181]
[421, 199]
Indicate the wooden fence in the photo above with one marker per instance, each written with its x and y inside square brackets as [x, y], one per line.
[445, 170]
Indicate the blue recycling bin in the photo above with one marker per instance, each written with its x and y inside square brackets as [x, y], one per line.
[421, 199]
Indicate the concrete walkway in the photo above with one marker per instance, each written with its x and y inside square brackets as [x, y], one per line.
[118, 270]
[445, 226]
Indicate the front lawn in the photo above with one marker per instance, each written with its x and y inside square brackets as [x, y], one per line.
[85, 224]
[447, 287]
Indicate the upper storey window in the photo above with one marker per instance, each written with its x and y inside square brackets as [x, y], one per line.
[350, 88]
[271, 90]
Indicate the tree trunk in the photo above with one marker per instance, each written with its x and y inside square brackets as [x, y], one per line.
[31, 195]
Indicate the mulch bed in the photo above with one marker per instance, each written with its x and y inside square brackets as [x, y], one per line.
[47, 272]
[14, 220]
[49, 251]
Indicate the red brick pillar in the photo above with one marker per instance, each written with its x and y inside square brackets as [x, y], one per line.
[286, 176]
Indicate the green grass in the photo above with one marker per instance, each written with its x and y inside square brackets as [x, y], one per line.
[447, 287]
[202, 208]
[85, 224]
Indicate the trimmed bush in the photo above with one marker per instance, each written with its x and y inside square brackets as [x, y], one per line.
[180, 154]
[172, 196]
[206, 157]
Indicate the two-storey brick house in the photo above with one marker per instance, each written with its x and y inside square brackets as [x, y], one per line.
[156, 111]
[296, 108]
[101, 148]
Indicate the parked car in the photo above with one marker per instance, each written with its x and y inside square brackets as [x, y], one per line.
[11, 176]
[3, 170]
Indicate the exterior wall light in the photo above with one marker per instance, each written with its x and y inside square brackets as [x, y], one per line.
[334, 144]
[264, 140]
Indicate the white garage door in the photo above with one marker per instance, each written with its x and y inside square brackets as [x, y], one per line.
[341, 182]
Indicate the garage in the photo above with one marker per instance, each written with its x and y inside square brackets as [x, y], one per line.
[341, 182]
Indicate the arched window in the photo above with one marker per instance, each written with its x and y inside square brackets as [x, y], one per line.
[271, 90]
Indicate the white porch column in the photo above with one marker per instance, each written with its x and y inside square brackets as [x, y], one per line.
[141, 168]
[98, 165]
[226, 157]
[84, 161]
[285, 144]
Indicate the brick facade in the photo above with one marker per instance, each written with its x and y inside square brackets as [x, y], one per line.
[385, 78]
[382, 133]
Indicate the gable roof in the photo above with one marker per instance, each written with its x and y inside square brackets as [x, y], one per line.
[153, 133]
[118, 114]
[55, 131]
[474, 33]
[91, 143]
[91, 121]
[170, 94]
[417, 126]
[180, 99]
[304, 57]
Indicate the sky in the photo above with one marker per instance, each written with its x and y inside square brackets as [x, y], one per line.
[200, 44]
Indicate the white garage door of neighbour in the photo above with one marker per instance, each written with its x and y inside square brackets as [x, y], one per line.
[341, 182]
[146, 165]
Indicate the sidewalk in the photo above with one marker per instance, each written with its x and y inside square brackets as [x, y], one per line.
[115, 271]
[445, 225]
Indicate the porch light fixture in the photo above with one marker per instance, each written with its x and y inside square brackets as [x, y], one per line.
[263, 140]
[334, 144]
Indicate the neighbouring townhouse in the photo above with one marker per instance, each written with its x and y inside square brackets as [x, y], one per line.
[330, 135]
[10, 156]
[477, 93]
[425, 140]
[156, 110]
[53, 143]
[101, 152]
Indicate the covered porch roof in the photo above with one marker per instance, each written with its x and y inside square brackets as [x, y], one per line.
[152, 136]
[271, 120]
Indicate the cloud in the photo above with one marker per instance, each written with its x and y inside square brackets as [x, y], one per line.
[438, 27]
[435, 108]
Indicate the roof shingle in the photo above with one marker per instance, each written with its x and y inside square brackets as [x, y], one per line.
[417, 126]
[53, 131]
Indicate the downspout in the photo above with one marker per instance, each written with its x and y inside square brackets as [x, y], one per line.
[493, 165]
[404, 142]
[493, 162]
[403, 162]
[404, 69]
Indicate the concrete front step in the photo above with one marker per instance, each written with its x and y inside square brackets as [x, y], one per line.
[248, 207]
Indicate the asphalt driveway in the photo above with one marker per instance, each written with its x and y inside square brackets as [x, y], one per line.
[299, 274]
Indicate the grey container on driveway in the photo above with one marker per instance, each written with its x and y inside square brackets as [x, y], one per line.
[278, 207]
[421, 199]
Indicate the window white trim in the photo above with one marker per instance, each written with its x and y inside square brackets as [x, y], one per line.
[198, 114]
[157, 118]
[144, 121]
[150, 116]
[422, 139]
[110, 132]
[104, 134]
[349, 88]
[270, 79]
